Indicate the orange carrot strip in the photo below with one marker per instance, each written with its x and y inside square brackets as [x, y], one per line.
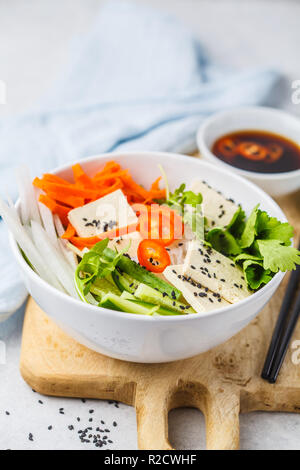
[131, 184]
[54, 179]
[155, 184]
[59, 209]
[63, 191]
[81, 178]
[110, 189]
[104, 178]
[111, 167]
[72, 201]
[69, 233]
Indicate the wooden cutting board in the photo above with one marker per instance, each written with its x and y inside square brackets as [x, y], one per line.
[222, 383]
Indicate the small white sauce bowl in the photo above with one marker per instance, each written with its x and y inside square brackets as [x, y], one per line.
[254, 118]
[141, 338]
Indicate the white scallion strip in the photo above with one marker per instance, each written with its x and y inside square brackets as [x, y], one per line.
[70, 257]
[68, 254]
[29, 207]
[23, 239]
[55, 259]
[47, 219]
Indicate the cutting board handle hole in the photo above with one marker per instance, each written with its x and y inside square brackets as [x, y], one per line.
[187, 429]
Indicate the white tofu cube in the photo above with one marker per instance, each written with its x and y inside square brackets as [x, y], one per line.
[105, 214]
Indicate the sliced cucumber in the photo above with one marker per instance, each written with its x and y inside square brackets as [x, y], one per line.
[125, 282]
[102, 287]
[133, 305]
[141, 274]
[127, 295]
[124, 305]
[147, 294]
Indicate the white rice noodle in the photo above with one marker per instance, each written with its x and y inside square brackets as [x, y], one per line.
[22, 237]
[55, 259]
[29, 206]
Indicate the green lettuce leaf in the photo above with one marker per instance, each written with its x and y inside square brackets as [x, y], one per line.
[95, 266]
[255, 274]
[222, 241]
[237, 224]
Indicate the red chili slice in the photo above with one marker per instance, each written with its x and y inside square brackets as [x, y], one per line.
[274, 153]
[252, 151]
[153, 256]
[227, 147]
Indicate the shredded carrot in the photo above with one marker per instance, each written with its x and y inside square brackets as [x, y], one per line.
[69, 233]
[54, 179]
[81, 178]
[61, 195]
[155, 184]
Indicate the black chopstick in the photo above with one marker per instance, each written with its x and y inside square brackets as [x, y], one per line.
[282, 325]
[278, 361]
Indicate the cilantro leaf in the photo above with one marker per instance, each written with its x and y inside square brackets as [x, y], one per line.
[269, 228]
[277, 256]
[249, 232]
[247, 256]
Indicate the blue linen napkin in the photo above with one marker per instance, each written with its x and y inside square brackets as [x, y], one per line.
[137, 80]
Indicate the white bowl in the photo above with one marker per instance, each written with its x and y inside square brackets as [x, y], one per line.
[139, 338]
[254, 118]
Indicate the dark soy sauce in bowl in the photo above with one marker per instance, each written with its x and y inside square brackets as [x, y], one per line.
[258, 151]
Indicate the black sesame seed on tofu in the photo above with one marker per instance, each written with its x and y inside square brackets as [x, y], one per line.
[192, 266]
[218, 261]
[232, 264]
[195, 294]
[211, 300]
[202, 294]
[222, 280]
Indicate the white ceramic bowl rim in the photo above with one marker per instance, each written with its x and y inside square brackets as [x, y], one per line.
[176, 318]
[267, 176]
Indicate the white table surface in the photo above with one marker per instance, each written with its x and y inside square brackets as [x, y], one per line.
[34, 39]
